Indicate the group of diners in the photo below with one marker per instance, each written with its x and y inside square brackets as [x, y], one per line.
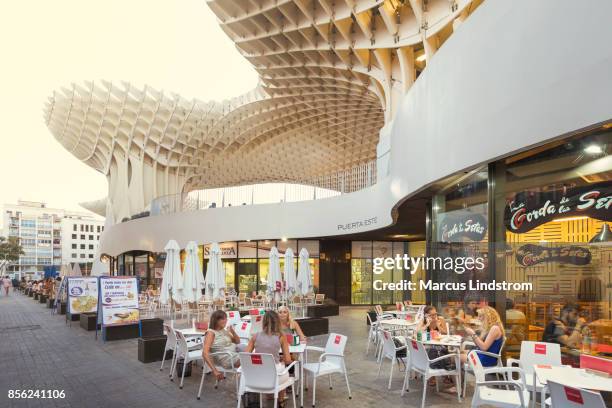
[272, 339]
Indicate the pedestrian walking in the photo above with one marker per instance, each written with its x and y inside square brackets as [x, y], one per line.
[6, 284]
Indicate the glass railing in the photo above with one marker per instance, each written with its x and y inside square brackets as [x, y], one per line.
[325, 186]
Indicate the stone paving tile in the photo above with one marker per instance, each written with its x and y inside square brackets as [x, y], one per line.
[40, 350]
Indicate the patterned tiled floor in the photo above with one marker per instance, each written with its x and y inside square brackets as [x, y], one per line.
[40, 351]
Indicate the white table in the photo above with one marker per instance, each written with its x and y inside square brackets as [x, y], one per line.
[191, 332]
[445, 340]
[397, 322]
[570, 376]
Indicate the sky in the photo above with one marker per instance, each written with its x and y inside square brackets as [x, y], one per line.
[175, 46]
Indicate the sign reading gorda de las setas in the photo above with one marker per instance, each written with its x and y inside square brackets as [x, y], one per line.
[529, 210]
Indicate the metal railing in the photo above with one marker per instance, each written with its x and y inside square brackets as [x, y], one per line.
[354, 179]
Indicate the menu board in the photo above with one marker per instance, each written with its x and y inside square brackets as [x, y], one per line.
[119, 300]
[82, 294]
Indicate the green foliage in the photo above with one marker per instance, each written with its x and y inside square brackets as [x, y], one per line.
[10, 249]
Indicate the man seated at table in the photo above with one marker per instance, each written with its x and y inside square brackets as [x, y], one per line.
[565, 330]
[516, 323]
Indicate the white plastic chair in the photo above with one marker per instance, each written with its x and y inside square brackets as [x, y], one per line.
[468, 370]
[233, 318]
[171, 344]
[234, 370]
[563, 396]
[259, 374]
[371, 333]
[535, 353]
[389, 352]
[187, 353]
[243, 330]
[419, 361]
[331, 361]
[516, 396]
[256, 324]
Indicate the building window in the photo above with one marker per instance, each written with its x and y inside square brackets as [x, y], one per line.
[81, 227]
[74, 246]
[91, 246]
[82, 255]
[91, 255]
[98, 229]
[74, 236]
[83, 237]
[74, 255]
[82, 246]
[74, 227]
[91, 237]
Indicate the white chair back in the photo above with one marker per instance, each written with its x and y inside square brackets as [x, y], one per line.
[418, 355]
[335, 345]
[258, 371]
[563, 396]
[170, 335]
[181, 342]
[476, 365]
[535, 352]
[233, 318]
[256, 324]
[243, 330]
[388, 344]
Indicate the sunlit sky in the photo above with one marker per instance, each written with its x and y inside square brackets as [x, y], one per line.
[175, 46]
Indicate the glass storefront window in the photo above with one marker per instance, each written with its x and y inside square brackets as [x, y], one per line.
[361, 281]
[141, 267]
[263, 248]
[247, 276]
[556, 224]
[264, 268]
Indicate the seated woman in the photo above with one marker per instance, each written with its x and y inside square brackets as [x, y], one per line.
[218, 339]
[490, 340]
[432, 322]
[288, 325]
[271, 340]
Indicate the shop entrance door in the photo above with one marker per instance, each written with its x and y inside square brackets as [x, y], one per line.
[246, 276]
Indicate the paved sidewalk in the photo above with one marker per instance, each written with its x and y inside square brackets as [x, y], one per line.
[40, 351]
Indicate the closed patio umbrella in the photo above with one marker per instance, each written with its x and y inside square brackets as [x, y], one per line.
[275, 280]
[215, 275]
[290, 277]
[303, 277]
[193, 279]
[172, 268]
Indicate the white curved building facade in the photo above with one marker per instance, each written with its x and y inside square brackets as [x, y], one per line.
[469, 111]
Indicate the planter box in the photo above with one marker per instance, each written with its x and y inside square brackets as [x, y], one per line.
[35, 296]
[61, 309]
[88, 321]
[323, 310]
[314, 326]
[152, 327]
[42, 299]
[50, 303]
[74, 317]
[129, 331]
[151, 349]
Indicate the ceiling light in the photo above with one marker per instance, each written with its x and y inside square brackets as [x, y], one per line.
[593, 149]
[421, 58]
[284, 239]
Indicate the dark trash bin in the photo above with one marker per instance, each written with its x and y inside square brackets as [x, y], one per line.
[179, 368]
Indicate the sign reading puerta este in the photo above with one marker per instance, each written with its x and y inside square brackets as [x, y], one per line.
[529, 210]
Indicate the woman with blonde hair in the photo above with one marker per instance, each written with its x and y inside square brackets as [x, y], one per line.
[492, 336]
[288, 325]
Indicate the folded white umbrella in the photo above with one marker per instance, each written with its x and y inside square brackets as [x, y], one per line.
[172, 268]
[215, 275]
[76, 270]
[303, 277]
[290, 277]
[193, 279]
[275, 280]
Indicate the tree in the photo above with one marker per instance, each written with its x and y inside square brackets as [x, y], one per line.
[10, 249]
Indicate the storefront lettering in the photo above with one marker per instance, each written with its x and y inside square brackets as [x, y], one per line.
[470, 225]
[357, 224]
[530, 254]
[529, 210]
